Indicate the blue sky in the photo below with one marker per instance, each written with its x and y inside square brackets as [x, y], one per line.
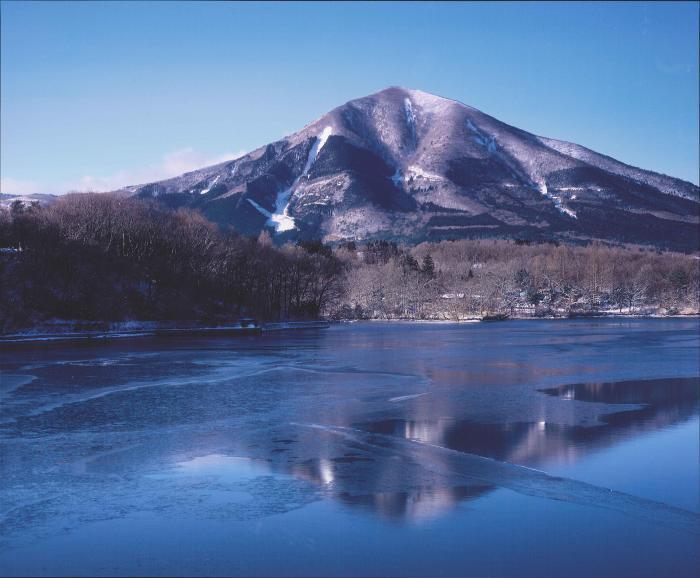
[99, 95]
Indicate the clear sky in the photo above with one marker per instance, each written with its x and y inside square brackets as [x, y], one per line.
[99, 95]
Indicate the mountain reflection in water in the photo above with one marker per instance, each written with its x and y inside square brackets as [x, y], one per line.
[655, 404]
[368, 449]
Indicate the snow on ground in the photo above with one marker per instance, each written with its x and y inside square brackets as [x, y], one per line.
[413, 172]
[316, 148]
[567, 210]
[664, 183]
[558, 201]
[205, 191]
[416, 171]
[410, 117]
[233, 170]
[280, 220]
[489, 143]
[264, 211]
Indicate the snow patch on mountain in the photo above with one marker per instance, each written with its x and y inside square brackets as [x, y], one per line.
[205, 191]
[416, 171]
[566, 210]
[397, 177]
[263, 210]
[410, 117]
[664, 183]
[413, 172]
[316, 148]
[280, 220]
[458, 163]
[489, 143]
[557, 199]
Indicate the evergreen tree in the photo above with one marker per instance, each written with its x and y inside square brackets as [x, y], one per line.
[428, 266]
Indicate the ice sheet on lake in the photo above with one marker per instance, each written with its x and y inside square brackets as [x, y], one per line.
[460, 467]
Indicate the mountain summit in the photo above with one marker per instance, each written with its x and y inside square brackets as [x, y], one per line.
[408, 165]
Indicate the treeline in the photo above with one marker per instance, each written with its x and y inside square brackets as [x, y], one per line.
[99, 257]
[473, 278]
[96, 257]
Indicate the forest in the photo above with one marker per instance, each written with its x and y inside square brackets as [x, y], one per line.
[96, 257]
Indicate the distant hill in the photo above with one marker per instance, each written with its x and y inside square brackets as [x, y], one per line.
[6, 199]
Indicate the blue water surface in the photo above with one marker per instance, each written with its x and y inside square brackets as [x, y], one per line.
[516, 448]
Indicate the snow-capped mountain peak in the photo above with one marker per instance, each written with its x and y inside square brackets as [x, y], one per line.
[407, 164]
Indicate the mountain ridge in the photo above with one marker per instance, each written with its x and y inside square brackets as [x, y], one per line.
[410, 165]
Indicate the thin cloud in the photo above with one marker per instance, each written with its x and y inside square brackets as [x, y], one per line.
[171, 165]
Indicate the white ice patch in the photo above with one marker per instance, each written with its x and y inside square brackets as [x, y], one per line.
[205, 191]
[233, 170]
[397, 177]
[280, 219]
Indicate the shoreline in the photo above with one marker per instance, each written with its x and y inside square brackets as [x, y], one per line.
[37, 336]
[149, 329]
[526, 318]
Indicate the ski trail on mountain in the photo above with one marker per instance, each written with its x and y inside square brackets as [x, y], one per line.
[280, 219]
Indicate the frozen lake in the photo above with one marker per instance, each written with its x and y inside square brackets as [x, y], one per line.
[517, 448]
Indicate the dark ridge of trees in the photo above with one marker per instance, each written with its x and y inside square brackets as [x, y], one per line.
[95, 257]
[98, 257]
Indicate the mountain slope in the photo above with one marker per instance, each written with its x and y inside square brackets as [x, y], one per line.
[405, 164]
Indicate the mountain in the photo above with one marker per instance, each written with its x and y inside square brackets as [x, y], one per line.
[407, 165]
